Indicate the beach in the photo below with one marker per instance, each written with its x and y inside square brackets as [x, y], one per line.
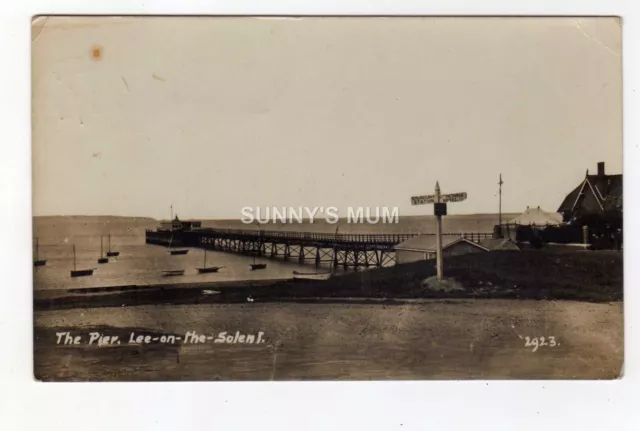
[432, 339]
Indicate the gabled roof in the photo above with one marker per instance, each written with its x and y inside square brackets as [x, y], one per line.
[499, 244]
[606, 191]
[427, 243]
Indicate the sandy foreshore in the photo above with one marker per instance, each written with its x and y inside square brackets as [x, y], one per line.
[512, 315]
[431, 339]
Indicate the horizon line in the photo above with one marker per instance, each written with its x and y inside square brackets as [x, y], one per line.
[239, 219]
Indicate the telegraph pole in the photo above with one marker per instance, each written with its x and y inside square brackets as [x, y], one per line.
[438, 236]
[500, 204]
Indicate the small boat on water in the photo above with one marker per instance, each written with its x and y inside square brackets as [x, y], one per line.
[82, 272]
[79, 272]
[36, 261]
[255, 265]
[325, 275]
[176, 251]
[209, 269]
[102, 258]
[111, 253]
[173, 272]
[205, 269]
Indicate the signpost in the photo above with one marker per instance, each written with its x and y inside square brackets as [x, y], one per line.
[439, 202]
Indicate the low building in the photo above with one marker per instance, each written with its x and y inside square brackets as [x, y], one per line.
[529, 225]
[423, 247]
[537, 217]
[178, 225]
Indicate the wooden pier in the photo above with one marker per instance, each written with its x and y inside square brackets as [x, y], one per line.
[340, 250]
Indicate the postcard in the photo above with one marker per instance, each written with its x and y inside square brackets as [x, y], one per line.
[327, 198]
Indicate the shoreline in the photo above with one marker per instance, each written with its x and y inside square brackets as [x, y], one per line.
[577, 276]
[198, 296]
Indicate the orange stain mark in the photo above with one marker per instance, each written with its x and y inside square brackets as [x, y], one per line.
[96, 53]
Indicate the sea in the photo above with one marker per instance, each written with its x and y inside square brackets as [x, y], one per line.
[143, 264]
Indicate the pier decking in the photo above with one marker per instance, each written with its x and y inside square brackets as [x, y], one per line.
[345, 250]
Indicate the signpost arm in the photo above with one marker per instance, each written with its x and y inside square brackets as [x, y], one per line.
[438, 238]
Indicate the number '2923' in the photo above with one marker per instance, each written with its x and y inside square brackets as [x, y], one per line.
[537, 342]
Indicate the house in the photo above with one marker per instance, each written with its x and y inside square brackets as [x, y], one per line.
[597, 200]
[423, 247]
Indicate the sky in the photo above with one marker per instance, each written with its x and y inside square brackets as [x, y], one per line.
[211, 115]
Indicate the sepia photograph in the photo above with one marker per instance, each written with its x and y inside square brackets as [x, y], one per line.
[327, 198]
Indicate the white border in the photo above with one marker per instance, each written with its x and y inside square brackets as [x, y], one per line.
[25, 404]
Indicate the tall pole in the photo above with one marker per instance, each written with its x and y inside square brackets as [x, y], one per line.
[334, 261]
[74, 257]
[500, 204]
[438, 238]
[171, 219]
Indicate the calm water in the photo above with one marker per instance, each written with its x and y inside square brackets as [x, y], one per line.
[138, 262]
[143, 264]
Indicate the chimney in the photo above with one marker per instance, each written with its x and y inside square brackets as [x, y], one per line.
[601, 169]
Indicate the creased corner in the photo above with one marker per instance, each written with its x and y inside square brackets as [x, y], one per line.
[38, 25]
[621, 373]
[578, 24]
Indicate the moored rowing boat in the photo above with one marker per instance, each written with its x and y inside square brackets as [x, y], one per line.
[312, 275]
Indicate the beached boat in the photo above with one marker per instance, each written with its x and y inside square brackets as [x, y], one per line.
[112, 253]
[325, 275]
[102, 258]
[173, 272]
[36, 261]
[207, 269]
[79, 272]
